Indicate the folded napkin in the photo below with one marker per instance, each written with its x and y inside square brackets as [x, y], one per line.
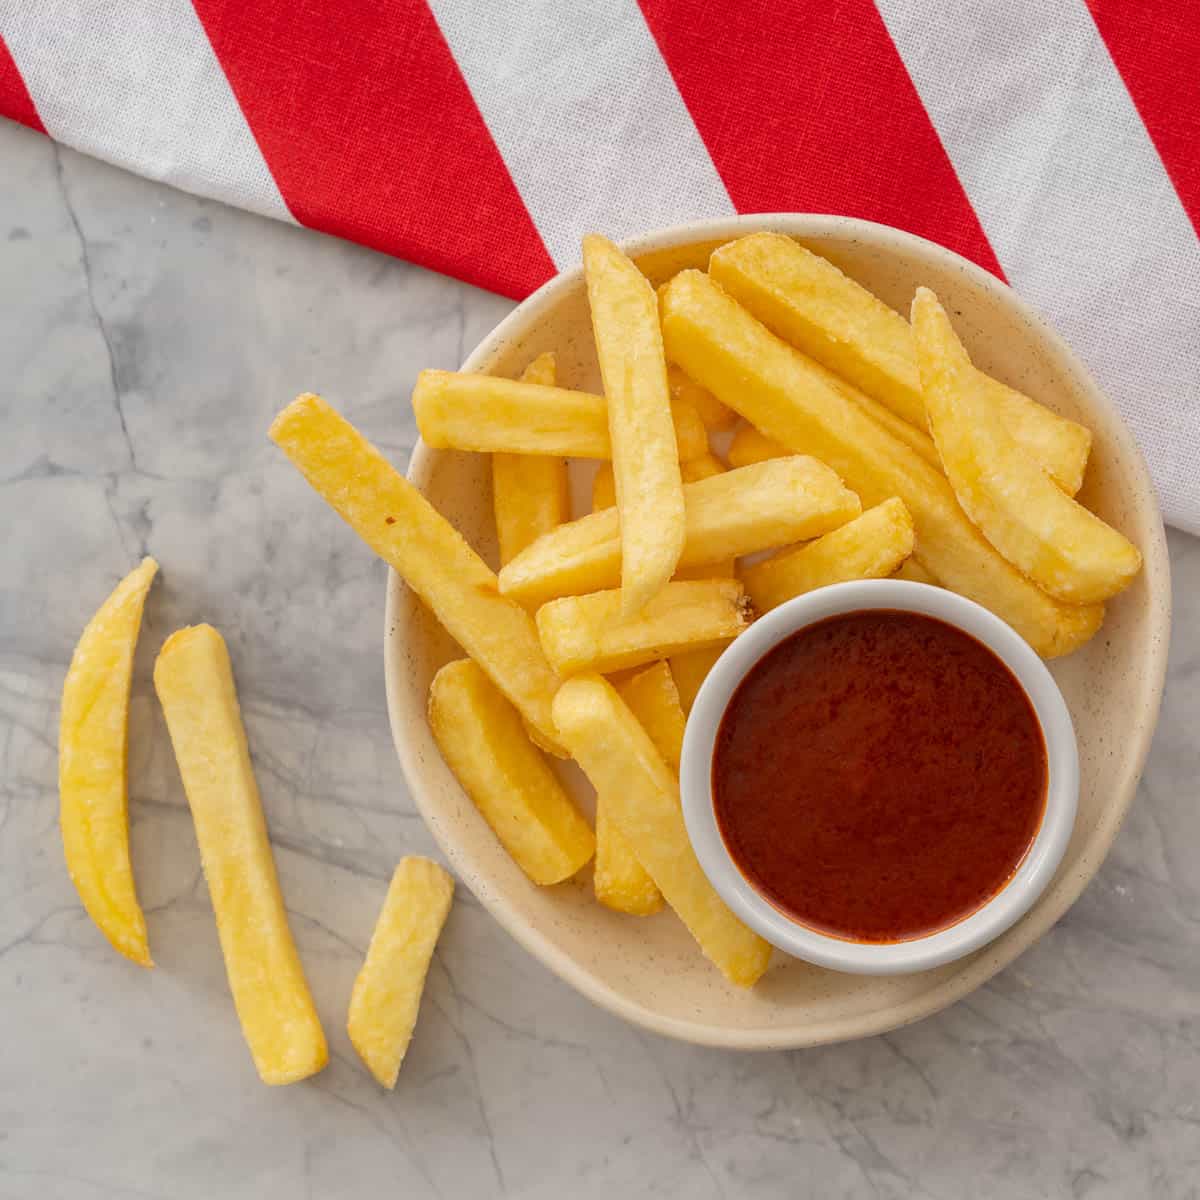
[1052, 141]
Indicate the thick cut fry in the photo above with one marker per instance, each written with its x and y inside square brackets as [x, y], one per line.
[619, 758]
[751, 445]
[690, 669]
[807, 301]
[1057, 542]
[458, 410]
[387, 992]
[778, 389]
[644, 451]
[432, 557]
[912, 570]
[869, 547]
[713, 413]
[484, 744]
[194, 682]
[530, 493]
[588, 633]
[92, 740]
[737, 512]
[621, 882]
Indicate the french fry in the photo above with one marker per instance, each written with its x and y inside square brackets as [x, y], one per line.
[604, 488]
[387, 992]
[1058, 543]
[619, 758]
[417, 542]
[483, 742]
[621, 882]
[644, 451]
[737, 512]
[750, 445]
[588, 633]
[912, 570]
[713, 413]
[869, 547]
[703, 467]
[194, 682]
[690, 669]
[777, 388]
[807, 301]
[530, 494]
[459, 410]
[92, 737]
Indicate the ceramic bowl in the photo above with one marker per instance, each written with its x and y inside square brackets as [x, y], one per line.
[648, 970]
[1004, 909]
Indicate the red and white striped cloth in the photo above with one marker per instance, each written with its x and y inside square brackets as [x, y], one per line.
[1056, 142]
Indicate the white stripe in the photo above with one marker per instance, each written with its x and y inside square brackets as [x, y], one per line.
[1076, 203]
[138, 84]
[586, 116]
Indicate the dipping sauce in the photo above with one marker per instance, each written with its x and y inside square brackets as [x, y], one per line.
[879, 776]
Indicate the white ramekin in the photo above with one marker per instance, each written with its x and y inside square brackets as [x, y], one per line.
[987, 922]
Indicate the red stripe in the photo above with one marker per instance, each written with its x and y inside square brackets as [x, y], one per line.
[807, 106]
[1156, 47]
[371, 134]
[15, 101]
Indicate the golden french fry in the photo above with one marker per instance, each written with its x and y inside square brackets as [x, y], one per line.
[417, 542]
[387, 992]
[92, 737]
[644, 452]
[737, 512]
[778, 389]
[704, 467]
[912, 570]
[751, 445]
[588, 633]
[1058, 543]
[530, 493]
[483, 742]
[690, 669]
[869, 547]
[458, 410]
[194, 682]
[604, 488]
[713, 413]
[807, 301]
[619, 758]
[621, 882]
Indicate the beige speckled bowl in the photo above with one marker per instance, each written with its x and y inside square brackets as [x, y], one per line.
[648, 970]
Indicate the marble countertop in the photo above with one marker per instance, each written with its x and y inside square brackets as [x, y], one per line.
[146, 338]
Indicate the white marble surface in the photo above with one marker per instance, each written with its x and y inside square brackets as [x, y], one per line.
[146, 338]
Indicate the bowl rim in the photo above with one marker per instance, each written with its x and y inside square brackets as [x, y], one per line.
[992, 918]
[1055, 901]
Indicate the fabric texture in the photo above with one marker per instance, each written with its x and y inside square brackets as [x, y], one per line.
[1051, 141]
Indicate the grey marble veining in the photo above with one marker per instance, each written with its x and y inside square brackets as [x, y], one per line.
[146, 339]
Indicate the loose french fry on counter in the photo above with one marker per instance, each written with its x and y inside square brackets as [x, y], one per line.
[92, 741]
[690, 669]
[530, 492]
[621, 882]
[808, 302]
[432, 557]
[459, 410]
[588, 633]
[750, 445]
[484, 743]
[912, 570]
[619, 758]
[737, 512]
[194, 682]
[870, 547]
[1064, 548]
[387, 992]
[776, 388]
[645, 456]
[713, 413]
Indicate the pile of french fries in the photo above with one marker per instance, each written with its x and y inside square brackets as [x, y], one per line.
[859, 445]
[868, 447]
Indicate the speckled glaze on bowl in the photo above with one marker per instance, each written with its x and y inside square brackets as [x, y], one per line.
[648, 970]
